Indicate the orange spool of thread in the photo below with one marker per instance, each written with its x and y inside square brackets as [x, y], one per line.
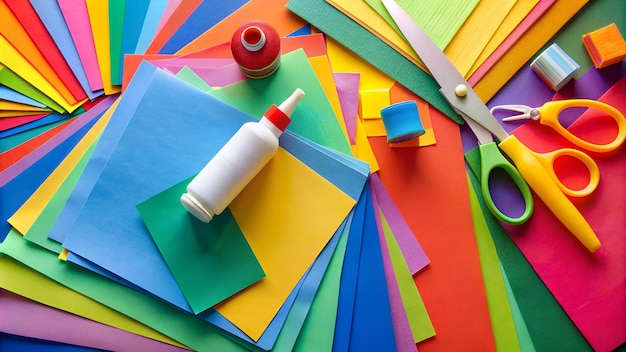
[256, 49]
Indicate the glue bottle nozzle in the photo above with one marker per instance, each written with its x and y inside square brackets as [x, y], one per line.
[289, 105]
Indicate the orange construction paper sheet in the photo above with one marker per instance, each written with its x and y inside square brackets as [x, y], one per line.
[270, 11]
[429, 187]
[15, 34]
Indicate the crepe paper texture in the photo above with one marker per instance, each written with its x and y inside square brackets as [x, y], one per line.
[440, 21]
[523, 13]
[530, 43]
[27, 16]
[270, 11]
[68, 328]
[204, 17]
[51, 16]
[545, 319]
[210, 261]
[502, 320]
[351, 35]
[77, 20]
[435, 204]
[605, 46]
[99, 20]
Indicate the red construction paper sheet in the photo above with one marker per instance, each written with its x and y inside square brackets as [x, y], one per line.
[430, 189]
[10, 122]
[591, 287]
[26, 14]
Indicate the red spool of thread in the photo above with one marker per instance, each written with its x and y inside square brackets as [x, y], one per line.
[256, 49]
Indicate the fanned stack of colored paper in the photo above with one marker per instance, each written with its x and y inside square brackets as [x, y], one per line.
[342, 242]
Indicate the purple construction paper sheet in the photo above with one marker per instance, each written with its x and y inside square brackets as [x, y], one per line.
[348, 91]
[412, 251]
[401, 326]
[68, 328]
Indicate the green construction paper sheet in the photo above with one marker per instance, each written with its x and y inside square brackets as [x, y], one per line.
[502, 321]
[314, 118]
[596, 14]
[30, 284]
[359, 40]
[187, 75]
[549, 326]
[210, 261]
[116, 31]
[319, 324]
[525, 342]
[421, 326]
[163, 317]
[440, 19]
[18, 84]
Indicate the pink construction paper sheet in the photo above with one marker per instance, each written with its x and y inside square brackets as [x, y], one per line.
[11, 122]
[348, 91]
[401, 326]
[56, 325]
[412, 251]
[591, 287]
[515, 35]
[77, 19]
[169, 10]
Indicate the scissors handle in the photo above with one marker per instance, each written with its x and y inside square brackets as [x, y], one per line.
[542, 183]
[548, 160]
[491, 159]
[550, 111]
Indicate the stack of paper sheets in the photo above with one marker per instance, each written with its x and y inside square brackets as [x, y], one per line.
[342, 242]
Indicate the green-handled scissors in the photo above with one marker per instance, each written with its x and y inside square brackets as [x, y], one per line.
[531, 169]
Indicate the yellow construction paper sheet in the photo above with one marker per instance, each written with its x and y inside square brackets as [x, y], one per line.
[11, 105]
[16, 113]
[517, 14]
[17, 63]
[99, 18]
[286, 235]
[478, 29]
[28, 283]
[538, 35]
[25, 216]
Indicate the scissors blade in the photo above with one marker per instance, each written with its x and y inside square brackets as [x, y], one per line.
[469, 106]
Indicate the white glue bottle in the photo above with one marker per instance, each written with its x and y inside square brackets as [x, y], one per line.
[239, 160]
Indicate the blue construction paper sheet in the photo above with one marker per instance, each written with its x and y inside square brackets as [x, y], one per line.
[156, 101]
[48, 119]
[134, 15]
[9, 94]
[17, 190]
[154, 13]
[348, 283]
[15, 343]
[205, 16]
[50, 14]
[372, 326]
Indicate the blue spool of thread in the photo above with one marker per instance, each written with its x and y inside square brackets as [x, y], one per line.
[555, 67]
[402, 121]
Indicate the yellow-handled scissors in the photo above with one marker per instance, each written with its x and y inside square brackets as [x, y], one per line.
[536, 169]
